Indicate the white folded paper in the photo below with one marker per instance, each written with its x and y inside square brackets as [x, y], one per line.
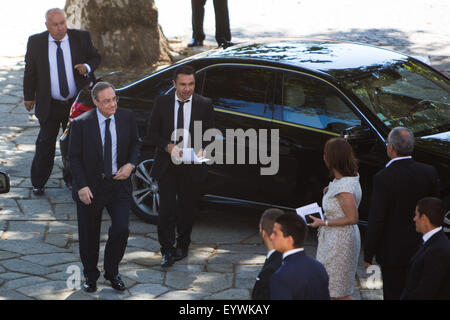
[189, 156]
[311, 209]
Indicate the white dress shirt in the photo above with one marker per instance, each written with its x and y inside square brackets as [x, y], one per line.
[288, 253]
[187, 108]
[270, 253]
[65, 46]
[112, 130]
[396, 159]
[431, 233]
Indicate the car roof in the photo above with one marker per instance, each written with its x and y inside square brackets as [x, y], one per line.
[331, 57]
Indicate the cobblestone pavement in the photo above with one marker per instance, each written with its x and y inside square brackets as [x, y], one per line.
[38, 235]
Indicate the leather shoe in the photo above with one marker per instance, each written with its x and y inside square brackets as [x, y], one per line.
[167, 260]
[180, 254]
[38, 191]
[116, 282]
[226, 44]
[195, 43]
[90, 286]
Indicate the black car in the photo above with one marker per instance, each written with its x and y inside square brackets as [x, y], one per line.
[310, 91]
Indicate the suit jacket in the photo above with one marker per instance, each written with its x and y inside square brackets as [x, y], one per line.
[261, 290]
[162, 125]
[36, 80]
[391, 234]
[86, 150]
[429, 271]
[300, 277]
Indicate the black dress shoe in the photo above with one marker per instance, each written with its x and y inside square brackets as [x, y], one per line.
[167, 260]
[38, 191]
[90, 286]
[116, 282]
[226, 44]
[180, 254]
[195, 43]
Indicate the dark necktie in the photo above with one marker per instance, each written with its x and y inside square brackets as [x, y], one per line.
[180, 119]
[62, 77]
[107, 151]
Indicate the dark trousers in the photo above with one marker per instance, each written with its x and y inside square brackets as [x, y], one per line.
[177, 202]
[43, 160]
[394, 281]
[223, 33]
[117, 200]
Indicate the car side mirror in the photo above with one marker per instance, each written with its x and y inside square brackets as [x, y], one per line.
[358, 134]
[4, 182]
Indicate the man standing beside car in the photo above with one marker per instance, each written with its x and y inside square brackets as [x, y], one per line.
[103, 152]
[391, 234]
[178, 183]
[58, 64]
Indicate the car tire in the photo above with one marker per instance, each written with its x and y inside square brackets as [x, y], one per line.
[145, 195]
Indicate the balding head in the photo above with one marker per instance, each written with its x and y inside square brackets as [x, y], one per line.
[55, 21]
[402, 140]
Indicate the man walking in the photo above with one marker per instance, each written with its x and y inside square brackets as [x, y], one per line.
[103, 152]
[391, 234]
[58, 64]
[178, 183]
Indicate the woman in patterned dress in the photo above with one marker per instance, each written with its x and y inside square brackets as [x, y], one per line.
[339, 241]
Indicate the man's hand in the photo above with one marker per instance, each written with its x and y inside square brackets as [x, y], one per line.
[124, 172]
[81, 68]
[29, 105]
[174, 151]
[85, 195]
[201, 153]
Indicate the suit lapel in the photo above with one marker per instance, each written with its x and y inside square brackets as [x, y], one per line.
[96, 133]
[73, 47]
[119, 128]
[44, 57]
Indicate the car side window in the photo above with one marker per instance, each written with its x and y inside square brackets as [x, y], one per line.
[312, 103]
[241, 89]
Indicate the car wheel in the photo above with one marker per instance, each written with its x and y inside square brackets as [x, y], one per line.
[145, 194]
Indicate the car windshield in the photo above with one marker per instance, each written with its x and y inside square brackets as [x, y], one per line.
[406, 94]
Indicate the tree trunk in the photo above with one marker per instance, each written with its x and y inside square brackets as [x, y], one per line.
[126, 32]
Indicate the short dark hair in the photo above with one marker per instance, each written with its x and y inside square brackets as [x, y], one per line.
[339, 156]
[433, 208]
[268, 219]
[99, 86]
[292, 225]
[184, 69]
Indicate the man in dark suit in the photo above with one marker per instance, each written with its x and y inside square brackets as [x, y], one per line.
[59, 62]
[103, 152]
[300, 277]
[223, 33]
[429, 270]
[261, 290]
[391, 235]
[178, 183]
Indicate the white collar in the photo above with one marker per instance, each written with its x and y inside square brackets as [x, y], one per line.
[290, 252]
[396, 159]
[270, 253]
[431, 233]
[188, 99]
[50, 38]
[102, 118]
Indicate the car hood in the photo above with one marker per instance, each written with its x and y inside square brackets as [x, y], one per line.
[437, 144]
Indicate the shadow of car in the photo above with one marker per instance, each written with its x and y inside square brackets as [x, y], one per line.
[306, 91]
